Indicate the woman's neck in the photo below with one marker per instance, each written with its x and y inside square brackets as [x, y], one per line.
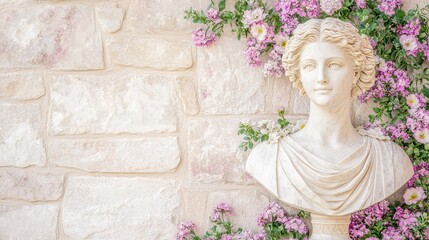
[330, 124]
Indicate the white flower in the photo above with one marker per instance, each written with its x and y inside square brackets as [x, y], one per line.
[262, 123]
[422, 136]
[330, 6]
[413, 195]
[413, 101]
[259, 31]
[281, 40]
[409, 43]
[273, 137]
[254, 16]
[300, 124]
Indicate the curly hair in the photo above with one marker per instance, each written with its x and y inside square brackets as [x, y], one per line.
[345, 36]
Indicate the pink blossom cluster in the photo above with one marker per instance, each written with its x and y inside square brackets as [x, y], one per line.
[411, 28]
[185, 229]
[331, 6]
[390, 81]
[274, 213]
[397, 130]
[203, 38]
[253, 52]
[361, 220]
[213, 14]
[420, 170]
[406, 221]
[392, 233]
[388, 6]
[294, 224]
[361, 3]
[220, 210]
[287, 9]
[273, 67]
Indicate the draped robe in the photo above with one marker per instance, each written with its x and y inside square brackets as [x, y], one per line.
[371, 173]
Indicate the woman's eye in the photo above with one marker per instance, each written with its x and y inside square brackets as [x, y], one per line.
[309, 67]
[334, 65]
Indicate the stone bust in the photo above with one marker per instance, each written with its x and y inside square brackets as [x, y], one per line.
[328, 168]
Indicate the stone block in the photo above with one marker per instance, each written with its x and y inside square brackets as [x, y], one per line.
[160, 15]
[152, 154]
[50, 36]
[153, 53]
[30, 186]
[120, 208]
[110, 16]
[281, 94]
[213, 152]
[21, 86]
[35, 222]
[132, 103]
[226, 83]
[21, 141]
[188, 95]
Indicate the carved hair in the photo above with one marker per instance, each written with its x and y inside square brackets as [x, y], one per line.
[345, 36]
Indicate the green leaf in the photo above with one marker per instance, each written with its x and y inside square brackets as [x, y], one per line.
[250, 145]
[221, 5]
[376, 110]
[426, 92]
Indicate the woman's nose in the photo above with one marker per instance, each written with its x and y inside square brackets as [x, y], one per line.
[321, 76]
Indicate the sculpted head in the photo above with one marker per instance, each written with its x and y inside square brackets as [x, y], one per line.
[336, 33]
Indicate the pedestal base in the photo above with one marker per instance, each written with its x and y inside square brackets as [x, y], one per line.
[330, 227]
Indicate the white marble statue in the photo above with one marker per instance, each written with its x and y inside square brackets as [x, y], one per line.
[328, 168]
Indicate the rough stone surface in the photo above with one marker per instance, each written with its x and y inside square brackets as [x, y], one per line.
[120, 208]
[134, 103]
[300, 104]
[213, 152]
[152, 53]
[110, 16]
[361, 111]
[246, 205]
[411, 4]
[157, 154]
[226, 83]
[35, 222]
[282, 94]
[30, 186]
[160, 15]
[195, 202]
[8, 3]
[187, 95]
[21, 142]
[50, 36]
[19, 86]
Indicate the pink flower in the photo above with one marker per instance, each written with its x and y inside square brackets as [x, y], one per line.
[361, 4]
[202, 38]
[331, 6]
[260, 31]
[185, 229]
[422, 136]
[413, 101]
[213, 14]
[413, 195]
[388, 6]
[219, 210]
[410, 44]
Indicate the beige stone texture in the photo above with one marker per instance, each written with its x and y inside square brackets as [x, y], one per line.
[110, 16]
[50, 36]
[133, 103]
[21, 86]
[213, 152]
[226, 83]
[151, 154]
[153, 53]
[300, 104]
[188, 95]
[160, 15]
[361, 111]
[30, 186]
[35, 222]
[281, 94]
[120, 208]
[21, 141]
[8, 3]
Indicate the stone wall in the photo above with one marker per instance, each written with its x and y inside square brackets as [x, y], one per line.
[114, 126]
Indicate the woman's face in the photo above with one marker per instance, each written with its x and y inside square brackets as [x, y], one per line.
[326, 74]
